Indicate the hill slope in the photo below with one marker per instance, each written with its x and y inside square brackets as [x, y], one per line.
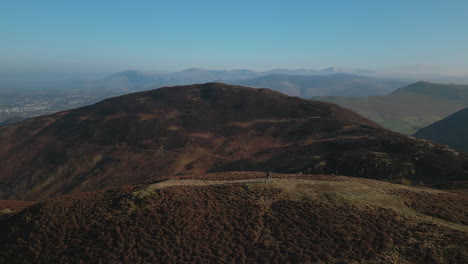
[452, 131]
[447, 91]
[409, 108]
[338, 84]
[209, 127]
[316, 219]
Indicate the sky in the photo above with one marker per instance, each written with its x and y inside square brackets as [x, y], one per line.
[109, 36]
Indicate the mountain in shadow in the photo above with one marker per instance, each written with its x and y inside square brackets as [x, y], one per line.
[452, 131]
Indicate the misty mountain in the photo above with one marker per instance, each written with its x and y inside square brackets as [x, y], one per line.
[330, 70]
[136, 80]
[31, 98]
[133, 80]
[338, 84]
[28, 99]
[195, 75]
[132, 77]
[409, 108]
[446, 91]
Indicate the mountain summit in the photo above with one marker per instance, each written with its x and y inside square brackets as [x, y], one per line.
[208, 127]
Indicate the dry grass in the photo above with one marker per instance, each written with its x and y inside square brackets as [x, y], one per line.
[357, 191]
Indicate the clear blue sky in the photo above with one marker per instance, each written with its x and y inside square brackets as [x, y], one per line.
[171, 35]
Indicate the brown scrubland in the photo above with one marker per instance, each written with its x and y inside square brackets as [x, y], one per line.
[237, 218]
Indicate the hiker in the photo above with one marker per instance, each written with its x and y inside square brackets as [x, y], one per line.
[268, 177]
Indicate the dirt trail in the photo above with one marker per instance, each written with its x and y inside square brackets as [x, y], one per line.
[169, 183]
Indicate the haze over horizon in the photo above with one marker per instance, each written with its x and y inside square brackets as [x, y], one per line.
[86, 39]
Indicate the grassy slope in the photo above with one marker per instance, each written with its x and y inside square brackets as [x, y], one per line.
[319, 219]
[409, 108]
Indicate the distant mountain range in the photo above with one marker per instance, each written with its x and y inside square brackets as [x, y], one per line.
[139, 80]
[410, 108]
[135, 80]
[452, 131]
[38, 98]
[335, 84]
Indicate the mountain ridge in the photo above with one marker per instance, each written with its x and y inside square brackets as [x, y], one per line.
[209, 127]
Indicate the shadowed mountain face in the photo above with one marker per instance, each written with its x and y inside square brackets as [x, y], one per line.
[338, 84]
[452, 131]
[208, 127]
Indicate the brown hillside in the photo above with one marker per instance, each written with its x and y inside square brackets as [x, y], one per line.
[291, 220]
[207, 127]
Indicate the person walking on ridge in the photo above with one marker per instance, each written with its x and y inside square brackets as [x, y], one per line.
[269, 177]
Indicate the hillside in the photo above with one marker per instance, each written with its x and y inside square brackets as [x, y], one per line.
[337, 84]
[210, 127]
[409, 108]
[446, 91]
[316, 219]
[452, 131]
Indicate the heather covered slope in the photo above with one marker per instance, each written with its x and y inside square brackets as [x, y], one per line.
[324, 219]
[452, 131]
[208, 127]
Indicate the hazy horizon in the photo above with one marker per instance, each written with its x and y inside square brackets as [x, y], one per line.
[86, 39]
